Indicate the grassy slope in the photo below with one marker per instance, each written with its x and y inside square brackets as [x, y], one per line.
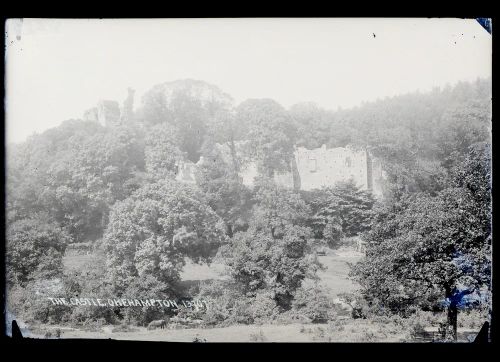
[334, 277]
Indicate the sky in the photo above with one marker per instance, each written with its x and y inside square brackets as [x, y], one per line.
[58, 68]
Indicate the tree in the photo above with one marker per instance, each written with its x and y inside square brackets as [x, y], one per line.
[272, 254]
[433, 250]
[83, 186]
[190, 107]
[270, 133]
[277, 207]
[259, 262]
[223, 188]
[148, 287]
[151, 232]
[312, 123]
[344, 209]
[30, 165]
[34, 249]
[161, 151]
[74, 173]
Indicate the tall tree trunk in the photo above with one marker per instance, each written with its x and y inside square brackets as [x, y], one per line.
[229, 230]
[452, 312]
[452, 320]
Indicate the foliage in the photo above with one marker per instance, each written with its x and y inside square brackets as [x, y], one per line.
[227, 305]
[314, 303]
[270, 133]
[434, 250]
[223, 188]
[342, 210]
[191, 108]
[34, 250]
[277, 207]
[258, 337]
[257, 261]
[428, 243]
[162, 153]
[88, 281]
[146, 287]
[31, 302]
[74, 173]
[312, 124]
[153, 230]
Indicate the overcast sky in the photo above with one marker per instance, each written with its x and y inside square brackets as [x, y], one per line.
[59, 68]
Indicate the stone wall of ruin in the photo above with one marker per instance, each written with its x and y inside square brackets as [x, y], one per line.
[324, 167]
[311, 169]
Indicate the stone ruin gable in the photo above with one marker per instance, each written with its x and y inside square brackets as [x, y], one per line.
[378, 177]
[110, 114]
[127, 108]
[325, 167]
[106, 113]
[186, 172]
[247, 168]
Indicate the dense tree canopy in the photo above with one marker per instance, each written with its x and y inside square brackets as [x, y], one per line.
[36, 248]
[434, 250]
[270, 132]
[223, 188]
[162, 152]
[151, 232]
[191, 108]
[428, 239]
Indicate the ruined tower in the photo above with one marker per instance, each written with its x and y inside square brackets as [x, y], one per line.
[110, 114]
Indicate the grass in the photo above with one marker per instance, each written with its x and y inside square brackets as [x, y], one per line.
[194, 271]
[357, 330]
[334, 277]
[74, 260]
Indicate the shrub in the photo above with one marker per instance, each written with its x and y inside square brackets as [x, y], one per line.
[417, 329]
[362, 308]
[89, 282]
[32, 304]
[227, 305]
[197, 339]
[473, 319]
[147, 287]
[34, 250]
[259, 262]
[319, 334]
[263, 307]
[314, 303]
[258, 337]
[333, 232]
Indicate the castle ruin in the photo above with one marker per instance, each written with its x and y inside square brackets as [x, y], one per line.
[310, 169]
[110, 114]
